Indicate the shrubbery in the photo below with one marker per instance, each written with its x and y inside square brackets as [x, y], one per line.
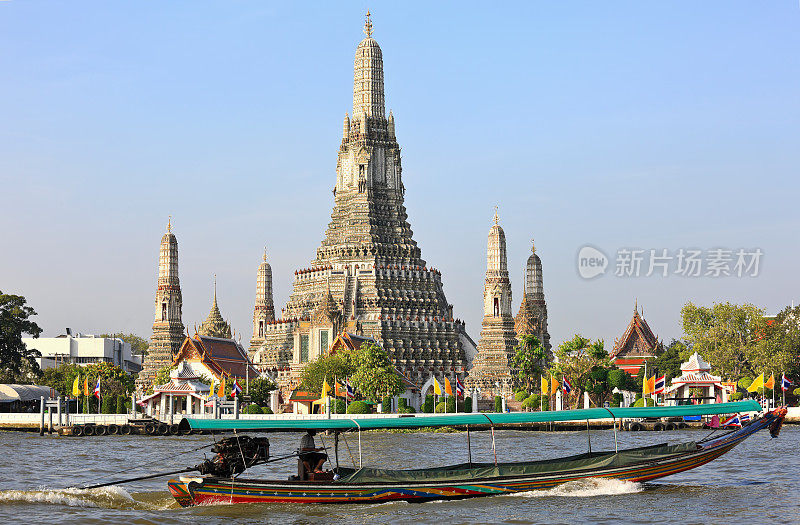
[640, 402]
[359, 407]
[440, 407]
[386, 405]
[427, 406]
[252, 409]
[521, 396]
[267, 410]
[338, 406]
[498, 404]
[467, 404]
[736, 396]
[532, 402]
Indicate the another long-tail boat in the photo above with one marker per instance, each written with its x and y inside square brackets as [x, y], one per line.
[375, 485]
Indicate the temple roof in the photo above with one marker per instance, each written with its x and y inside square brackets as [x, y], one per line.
[695, 364]
[223, 357]
[638, 331]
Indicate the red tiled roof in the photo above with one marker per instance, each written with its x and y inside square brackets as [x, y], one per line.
[224, 357]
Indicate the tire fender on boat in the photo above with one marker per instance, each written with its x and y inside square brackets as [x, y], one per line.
[113, 429]
[88, 430]
[125, 430]
[100, 430]
[635, 426]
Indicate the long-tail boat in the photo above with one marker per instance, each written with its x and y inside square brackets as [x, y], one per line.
[222, 485]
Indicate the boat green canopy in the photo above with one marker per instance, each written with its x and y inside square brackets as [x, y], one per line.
[347, 422]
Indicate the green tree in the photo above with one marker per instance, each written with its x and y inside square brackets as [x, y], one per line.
[375, 375]
[733, 338]
[530, 358]
[783, 334]
[260, 389]
[329, 367]
[62, 378]
[17, 362]
[139, 345]
[587, 364]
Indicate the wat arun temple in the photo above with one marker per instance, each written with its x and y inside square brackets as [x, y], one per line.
[368, 277]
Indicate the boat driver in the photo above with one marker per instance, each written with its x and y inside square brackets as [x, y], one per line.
[310, 455]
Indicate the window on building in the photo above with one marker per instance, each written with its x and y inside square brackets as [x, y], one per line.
[163, 311]
[261, 328]
[323, 342]
[304, 348]
[496, 306]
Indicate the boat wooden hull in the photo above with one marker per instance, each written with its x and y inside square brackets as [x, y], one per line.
[208, 491]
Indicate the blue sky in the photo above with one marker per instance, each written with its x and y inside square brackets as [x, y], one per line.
[616, 124]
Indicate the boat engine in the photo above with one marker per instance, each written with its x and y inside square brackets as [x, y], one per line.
[235, 454]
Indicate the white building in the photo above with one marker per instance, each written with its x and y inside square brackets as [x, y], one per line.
[83, 349]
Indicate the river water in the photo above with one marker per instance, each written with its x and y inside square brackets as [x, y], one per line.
[757, 482]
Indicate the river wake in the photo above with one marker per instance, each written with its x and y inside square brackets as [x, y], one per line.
[103, 498]
[584, 488]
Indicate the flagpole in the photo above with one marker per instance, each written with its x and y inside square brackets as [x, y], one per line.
[783, 392]
[772, 375]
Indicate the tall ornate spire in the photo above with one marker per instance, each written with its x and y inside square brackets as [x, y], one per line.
[532, 316]
[368, 99]
[167, 325]
[492, 369]
[264, 310]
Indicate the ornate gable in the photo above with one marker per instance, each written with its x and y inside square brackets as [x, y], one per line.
[638, 340]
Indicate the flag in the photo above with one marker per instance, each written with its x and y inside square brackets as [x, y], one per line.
[566, 386]
[448, 388]
[76, 387]
[651, 384]
[326, 388]
[212, 391]
[236, 389]
[770, 384]
[744, 418]
[785, 383]
[553, 384]
[339, 390]
[756, 384]
[645, 384]
[660, 385]
[221, 390]
[437, 388]
[732, 421]
[96, 392]
[544, 386]
[86, 386]
[351, 392]
[459, 388]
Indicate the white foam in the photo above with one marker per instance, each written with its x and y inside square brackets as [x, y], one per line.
[106, 497]
[583, 488]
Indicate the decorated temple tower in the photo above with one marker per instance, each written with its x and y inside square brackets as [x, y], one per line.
[492, 371]
[167, 326]
[215, 325]
[368, 271]
[264, 311]
[532, 316]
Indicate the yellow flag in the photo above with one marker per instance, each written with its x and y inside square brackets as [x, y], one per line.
[651, 384]
[76, 386]
[770, 384]
[544, 386]
[645, 384]
[221, 391]
[447, 388]
[213, 382]
[326, 388]
[86, 386]
[755, 385]
[553, 384]
[437, 388]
